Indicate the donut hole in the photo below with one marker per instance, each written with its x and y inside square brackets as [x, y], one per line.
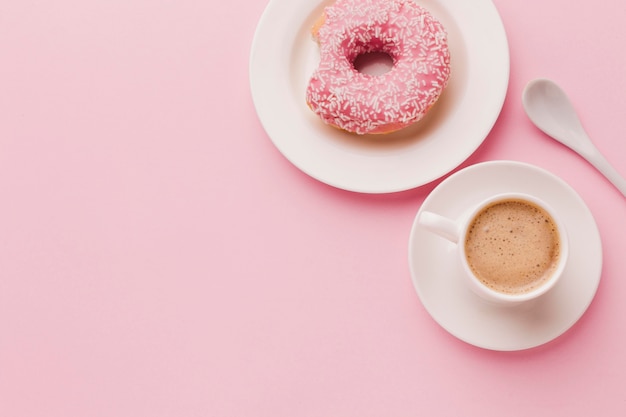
[373, 63]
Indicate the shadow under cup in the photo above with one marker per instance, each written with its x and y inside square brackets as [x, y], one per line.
[513, 248]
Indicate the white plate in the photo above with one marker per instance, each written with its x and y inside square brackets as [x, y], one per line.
[466, 316]
[283, 57]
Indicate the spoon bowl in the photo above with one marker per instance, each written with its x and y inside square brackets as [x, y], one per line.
[549, 108]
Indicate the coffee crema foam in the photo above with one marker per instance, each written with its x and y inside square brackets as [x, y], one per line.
[513, 246]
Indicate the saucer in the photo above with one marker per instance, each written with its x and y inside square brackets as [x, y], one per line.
[438, 281]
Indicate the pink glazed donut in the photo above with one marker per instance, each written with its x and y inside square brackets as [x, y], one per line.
[360, 103]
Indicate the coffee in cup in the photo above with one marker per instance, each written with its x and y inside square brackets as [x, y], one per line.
[512, 246]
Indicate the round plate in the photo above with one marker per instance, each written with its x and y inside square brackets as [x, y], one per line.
[456, 308]
[284, 55]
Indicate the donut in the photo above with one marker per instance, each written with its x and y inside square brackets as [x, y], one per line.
[361, 103]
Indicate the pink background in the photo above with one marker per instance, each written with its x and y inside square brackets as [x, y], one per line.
[159, 256]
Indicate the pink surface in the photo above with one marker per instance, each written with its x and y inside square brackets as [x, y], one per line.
[159, 257]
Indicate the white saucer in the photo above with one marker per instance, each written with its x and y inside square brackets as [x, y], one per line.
[438, 282]
[283, 57]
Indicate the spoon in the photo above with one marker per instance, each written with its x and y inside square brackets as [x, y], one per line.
[551, 111]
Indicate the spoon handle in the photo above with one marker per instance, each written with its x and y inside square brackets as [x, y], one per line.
[599, 161]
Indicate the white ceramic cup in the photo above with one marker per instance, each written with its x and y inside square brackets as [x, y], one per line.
[456, 231]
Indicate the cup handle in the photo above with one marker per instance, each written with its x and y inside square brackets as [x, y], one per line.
[440, 225]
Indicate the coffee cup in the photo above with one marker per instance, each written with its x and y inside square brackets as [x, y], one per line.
[512, 247]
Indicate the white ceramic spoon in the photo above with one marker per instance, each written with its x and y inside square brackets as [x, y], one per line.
[550, 110]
